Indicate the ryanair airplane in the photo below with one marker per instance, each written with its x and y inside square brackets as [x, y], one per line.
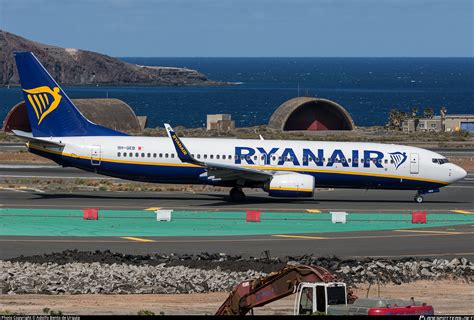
[283, 168]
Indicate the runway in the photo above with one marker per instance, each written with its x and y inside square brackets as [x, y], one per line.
[455, 197]
[437, 242]
[446, 241]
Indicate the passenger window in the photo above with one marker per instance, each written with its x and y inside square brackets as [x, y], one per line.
[273, 158]
[148, 155]
[386, 161]
[154, 155]
[124, 154]
[223, 156]
[172, 155]
[136, 154]
[131, 154]
[143, 155]
[118, 154]
[199, 156]
[166, 155]
[255, 157]
[230, 157]
[205, 156]
[211, 156]
[247, 157]
[217, 156]
[349, 160]
[161, 155]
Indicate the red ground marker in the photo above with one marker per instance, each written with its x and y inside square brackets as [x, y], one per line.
[418, 217]
[91, 213]
[252, 216]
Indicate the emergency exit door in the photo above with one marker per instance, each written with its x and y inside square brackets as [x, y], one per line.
[414, 163]
[95, 156]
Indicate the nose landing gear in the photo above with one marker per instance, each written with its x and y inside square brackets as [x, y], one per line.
[418, 198]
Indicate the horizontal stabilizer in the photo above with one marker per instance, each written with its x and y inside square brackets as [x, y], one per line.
[29, 136]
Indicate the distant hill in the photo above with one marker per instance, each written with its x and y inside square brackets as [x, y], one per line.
[81, 67]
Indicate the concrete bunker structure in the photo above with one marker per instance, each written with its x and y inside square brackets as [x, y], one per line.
[111, 113]
[310, 114]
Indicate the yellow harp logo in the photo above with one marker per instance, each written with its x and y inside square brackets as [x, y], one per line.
[41, 102]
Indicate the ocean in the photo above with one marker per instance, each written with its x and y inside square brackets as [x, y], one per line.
[367, 87]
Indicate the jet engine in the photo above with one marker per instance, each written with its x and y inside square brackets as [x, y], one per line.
[290, 185]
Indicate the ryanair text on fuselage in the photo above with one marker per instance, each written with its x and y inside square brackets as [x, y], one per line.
[369, 157]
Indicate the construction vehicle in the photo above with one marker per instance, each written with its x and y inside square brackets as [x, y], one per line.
[318, 292]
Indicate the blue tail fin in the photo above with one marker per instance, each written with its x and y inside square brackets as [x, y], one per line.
[50, 111]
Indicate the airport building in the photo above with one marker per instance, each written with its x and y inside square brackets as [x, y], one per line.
[220, 122]
[450, 123]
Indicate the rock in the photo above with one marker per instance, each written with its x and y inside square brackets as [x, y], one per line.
[425, 272]
[455, 262]
[346, 269]
[357, 269]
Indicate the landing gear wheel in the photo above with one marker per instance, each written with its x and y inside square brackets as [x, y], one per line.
[236, 195]
[418, 198]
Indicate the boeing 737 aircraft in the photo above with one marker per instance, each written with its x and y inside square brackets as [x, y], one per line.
[283, 168]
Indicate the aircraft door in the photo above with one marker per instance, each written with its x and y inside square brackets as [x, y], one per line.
[414, 163]
[95, 156]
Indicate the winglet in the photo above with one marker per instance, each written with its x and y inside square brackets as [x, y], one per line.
[181, 150]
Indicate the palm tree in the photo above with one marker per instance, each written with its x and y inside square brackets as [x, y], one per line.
[443, 112]
[393, 119]
[428, 113]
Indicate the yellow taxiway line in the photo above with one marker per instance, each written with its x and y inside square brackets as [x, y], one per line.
[138, 239]
[297, 237]
[152, 209]
[430, 231]
[462, 211]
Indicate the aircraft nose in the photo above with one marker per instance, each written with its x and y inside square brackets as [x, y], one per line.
[459, 173]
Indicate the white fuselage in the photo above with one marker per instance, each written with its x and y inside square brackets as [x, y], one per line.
[333, 164]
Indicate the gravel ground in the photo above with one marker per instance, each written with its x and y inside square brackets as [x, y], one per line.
[75, 272]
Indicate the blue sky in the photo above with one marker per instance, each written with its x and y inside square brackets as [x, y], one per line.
[248, 28]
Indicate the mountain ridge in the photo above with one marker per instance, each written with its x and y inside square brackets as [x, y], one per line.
[71, 66]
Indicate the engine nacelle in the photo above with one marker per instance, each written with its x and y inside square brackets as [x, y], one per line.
[291, 185]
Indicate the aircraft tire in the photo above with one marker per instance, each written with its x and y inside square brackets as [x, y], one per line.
[418, 199]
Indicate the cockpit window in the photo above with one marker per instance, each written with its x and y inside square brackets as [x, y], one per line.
[440, 160]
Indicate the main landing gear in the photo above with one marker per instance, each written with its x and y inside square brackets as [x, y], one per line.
[236, 194]
[418, 198]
